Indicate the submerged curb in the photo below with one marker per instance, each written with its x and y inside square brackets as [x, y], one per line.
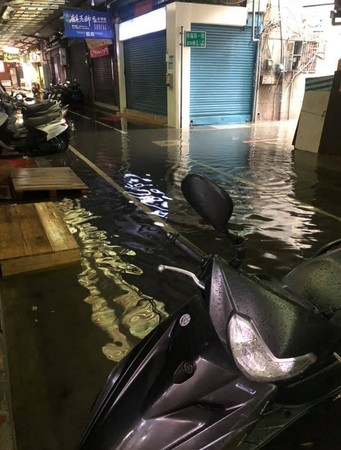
[7, 441]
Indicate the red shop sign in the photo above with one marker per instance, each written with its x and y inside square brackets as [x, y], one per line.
[96, 52]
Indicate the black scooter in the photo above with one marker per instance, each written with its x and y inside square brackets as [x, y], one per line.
[234, 366]
[42, 129]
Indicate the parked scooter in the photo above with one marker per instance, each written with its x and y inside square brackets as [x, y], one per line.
[72, 93]
[20, 98]
[37, 129]
[238, 363]
[35, 89]
[68, 93]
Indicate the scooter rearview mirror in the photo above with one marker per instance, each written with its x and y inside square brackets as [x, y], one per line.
[209, 200]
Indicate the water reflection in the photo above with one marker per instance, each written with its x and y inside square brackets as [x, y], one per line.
[255, 164]
[281, 199]
[262, 185]
[143, 189]
[126, 313]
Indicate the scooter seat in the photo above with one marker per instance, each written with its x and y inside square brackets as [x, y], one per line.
[319, 279]
[42, 119]
[38, 108]
[54, 107]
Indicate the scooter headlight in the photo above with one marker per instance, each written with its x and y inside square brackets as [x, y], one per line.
[255, 359]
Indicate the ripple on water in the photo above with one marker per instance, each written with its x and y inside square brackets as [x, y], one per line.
[120, 309]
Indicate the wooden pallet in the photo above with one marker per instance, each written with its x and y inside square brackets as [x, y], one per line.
[51, 179]
[34, 236]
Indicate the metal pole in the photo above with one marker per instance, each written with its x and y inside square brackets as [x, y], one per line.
[257, 81]
[254, 39]
[181, 71]
[258, 66]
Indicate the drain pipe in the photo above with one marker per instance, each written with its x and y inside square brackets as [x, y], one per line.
[181, 70]
[257, 68]
[256, 89]
[254, 38]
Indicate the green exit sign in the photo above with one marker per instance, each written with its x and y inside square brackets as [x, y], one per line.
[195, 39]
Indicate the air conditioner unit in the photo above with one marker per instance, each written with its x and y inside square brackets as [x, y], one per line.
[294, 54]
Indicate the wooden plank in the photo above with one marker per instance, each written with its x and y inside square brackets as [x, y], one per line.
[311, 121]
[34, 235]
[39, 262]
[41, 172]
[49, 178]
[12, 243]
[60, 173]
[46, 179]
[46, 184]
[55, 228]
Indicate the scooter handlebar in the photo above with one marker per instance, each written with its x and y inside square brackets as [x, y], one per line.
[187, 247]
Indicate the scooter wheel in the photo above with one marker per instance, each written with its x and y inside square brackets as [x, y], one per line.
[57, 144]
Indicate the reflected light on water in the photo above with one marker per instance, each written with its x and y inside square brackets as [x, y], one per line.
[131, 314]
[144, 190]
[261, 179]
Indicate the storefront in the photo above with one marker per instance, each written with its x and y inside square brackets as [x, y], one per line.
[104, 72]
[79, 66]
[145, 69]
[162, 75]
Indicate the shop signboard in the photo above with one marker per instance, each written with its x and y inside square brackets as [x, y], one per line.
[88, 24]
[35, 57]
[92, 43]
[97, 52]
[11, 57]
[195, 39]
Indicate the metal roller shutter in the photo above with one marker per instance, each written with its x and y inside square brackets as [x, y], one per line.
[222, 76]
[145, 72]
[104, 79]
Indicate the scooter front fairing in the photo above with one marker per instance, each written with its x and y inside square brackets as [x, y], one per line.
[179, 388]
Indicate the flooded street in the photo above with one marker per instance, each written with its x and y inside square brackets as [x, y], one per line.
[286, 204]
[285, 200]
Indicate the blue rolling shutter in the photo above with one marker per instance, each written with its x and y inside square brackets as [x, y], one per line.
[222, 76]
[145, 73]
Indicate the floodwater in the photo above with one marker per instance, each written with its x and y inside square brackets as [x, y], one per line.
[285, 200]
[286, 204]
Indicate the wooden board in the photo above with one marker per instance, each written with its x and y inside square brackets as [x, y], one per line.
[311, 121]
[51, 179]
[34, 236]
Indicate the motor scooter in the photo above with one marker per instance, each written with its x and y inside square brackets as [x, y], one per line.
[67, 93]
[238, 363]
[39, 129]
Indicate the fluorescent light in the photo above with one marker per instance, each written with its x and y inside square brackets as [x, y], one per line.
[148, 23]
[12, 50]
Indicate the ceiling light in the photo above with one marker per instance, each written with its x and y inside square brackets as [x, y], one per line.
[8, 13]
[8, 49]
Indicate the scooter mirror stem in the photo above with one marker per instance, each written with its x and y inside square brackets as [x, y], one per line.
[239, 247]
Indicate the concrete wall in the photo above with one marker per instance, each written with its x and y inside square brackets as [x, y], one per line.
[282, 98]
